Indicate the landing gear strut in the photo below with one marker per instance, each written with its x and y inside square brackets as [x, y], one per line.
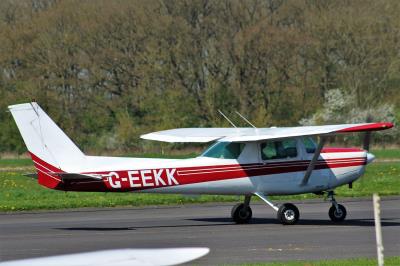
[241, 212]
[287, 213]
[337, 212]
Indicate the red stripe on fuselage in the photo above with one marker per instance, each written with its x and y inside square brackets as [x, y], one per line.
[200, 174]
[190, 175]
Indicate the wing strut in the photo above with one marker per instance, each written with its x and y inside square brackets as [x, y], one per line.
[311, 166]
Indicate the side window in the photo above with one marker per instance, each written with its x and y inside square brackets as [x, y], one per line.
[279, 149]
[309, 145]
[268, 151]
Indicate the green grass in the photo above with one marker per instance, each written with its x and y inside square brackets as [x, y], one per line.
[15, 162]
[383, 178]
[18, 192]
[391, 261]
[387, 153]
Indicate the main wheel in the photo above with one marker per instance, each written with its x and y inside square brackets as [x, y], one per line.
[288, 214]
[241, 213]
[337, 215]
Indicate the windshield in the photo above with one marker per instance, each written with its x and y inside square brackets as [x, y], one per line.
[224, 150]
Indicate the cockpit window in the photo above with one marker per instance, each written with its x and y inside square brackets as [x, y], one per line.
[278, 149]
[309, 144]
[224, 150]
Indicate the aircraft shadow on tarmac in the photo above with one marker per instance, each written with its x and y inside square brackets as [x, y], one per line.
[350, 222]
[226, 221]
[96, 228]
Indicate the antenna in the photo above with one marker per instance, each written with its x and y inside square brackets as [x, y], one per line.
[247, 121]
[230, 122]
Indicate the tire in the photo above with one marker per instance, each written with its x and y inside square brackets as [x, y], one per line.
[337, 216]
[241, 214]
[288, 214]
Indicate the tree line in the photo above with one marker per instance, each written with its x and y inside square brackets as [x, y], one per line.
[108, 71]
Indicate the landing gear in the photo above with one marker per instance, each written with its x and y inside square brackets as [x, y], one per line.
[288, 214]
[337, 212]
[241, 212]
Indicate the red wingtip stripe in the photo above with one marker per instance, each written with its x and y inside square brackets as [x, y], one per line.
[368, 127]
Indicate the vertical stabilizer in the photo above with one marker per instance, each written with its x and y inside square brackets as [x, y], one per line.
[46, 142]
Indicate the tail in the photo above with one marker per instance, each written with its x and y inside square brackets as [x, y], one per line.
[51, 150]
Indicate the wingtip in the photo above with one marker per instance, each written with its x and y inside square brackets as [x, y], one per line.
[368, 127]
[387, 125]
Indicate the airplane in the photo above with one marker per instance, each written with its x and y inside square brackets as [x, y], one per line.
[117, 257]
[245, 161]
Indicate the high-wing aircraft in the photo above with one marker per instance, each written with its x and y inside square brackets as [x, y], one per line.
[243, 161]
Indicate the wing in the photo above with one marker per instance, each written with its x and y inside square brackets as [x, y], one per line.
[255, 134]
[118, 257]
[195, 134]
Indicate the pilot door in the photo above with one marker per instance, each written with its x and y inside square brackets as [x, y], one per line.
[280, 161]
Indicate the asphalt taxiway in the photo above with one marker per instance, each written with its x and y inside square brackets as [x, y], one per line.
[35, 234]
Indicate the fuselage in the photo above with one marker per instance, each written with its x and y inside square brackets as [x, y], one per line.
[252, 167]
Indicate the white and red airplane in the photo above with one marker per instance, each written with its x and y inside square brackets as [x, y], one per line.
[242, 161]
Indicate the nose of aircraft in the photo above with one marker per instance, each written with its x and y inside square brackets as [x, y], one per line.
[370, 157]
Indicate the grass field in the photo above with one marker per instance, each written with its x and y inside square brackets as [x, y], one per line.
[387, 154]
[18, 192]
[391, 261]
[15, 163]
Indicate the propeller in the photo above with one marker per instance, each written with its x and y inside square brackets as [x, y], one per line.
[367, 135]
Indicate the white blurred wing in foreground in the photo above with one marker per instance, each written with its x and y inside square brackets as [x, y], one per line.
[117, 257]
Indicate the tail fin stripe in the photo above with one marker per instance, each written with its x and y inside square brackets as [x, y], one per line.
[42, 163]
[48, 175]
[41, 167]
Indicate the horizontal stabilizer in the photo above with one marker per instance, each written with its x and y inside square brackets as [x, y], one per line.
[31, 175]
[77, 177]
[69, 176]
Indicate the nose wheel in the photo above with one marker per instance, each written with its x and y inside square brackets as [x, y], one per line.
[337, 212]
